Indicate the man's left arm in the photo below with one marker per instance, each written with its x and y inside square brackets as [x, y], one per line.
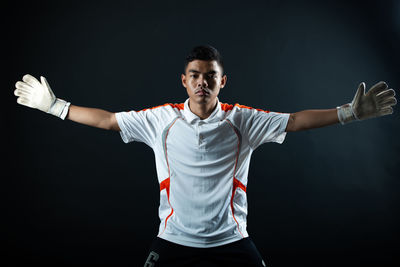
[375, 103]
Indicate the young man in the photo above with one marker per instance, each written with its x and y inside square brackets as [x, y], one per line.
[202, 149]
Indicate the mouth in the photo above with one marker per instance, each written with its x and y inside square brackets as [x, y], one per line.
[202, 92]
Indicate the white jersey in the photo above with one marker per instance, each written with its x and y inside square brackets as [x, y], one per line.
[202, 166]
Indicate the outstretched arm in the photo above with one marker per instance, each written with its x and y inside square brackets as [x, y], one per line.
[309, 119]
[93, 117]
[35, 94]
[375, 103]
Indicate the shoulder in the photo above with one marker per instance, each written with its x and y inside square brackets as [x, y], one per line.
[164, 108]
[159, 114]
[250, 109]
[164, 113]
[237, 109]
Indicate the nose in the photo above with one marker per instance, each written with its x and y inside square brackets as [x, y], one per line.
[202, 82]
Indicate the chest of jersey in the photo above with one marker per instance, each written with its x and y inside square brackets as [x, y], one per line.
[203, 145]
[201, 162]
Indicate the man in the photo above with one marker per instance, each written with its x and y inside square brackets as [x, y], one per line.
[202, 149]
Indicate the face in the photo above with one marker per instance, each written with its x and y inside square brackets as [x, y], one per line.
[203, 81]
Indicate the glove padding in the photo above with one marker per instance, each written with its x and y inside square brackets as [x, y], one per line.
[375, 103]
[33, 94]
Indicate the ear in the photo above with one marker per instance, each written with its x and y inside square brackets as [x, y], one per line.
[183, 78]
[223, 81]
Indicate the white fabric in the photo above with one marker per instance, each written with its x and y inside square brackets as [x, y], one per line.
[202, 166]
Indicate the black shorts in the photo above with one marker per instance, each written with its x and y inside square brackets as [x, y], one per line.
[239, 253]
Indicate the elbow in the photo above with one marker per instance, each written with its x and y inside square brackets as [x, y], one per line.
[291, 125]
[108, 123]
[113, 123]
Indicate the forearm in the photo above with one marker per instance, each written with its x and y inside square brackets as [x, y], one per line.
[309, 119]
[93, 117]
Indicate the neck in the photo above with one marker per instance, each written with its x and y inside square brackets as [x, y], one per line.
[202, 110]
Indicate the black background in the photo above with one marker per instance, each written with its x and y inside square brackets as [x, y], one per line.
[75, 194]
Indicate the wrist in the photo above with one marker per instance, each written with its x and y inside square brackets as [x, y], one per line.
[59, 108]
[345, 113]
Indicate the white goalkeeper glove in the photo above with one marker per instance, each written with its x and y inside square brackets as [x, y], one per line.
[33, 94]
[375, 103]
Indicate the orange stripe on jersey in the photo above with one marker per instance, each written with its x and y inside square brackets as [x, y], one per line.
[226, 107]
[165, 185]
[237, 183]
[242, 106]
[179, 106]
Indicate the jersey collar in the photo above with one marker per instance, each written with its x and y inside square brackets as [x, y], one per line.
[190, 117]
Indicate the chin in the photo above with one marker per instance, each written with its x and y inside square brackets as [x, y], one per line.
[203, 99]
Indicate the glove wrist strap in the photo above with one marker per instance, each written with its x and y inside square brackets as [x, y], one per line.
[59, 108]
[345, 114]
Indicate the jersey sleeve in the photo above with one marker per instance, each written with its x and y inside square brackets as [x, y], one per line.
[140, 126]
[263, 126]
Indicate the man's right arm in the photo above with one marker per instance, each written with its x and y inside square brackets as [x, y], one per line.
[38, 95]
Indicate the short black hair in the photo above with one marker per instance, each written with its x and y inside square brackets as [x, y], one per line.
[204, 52]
